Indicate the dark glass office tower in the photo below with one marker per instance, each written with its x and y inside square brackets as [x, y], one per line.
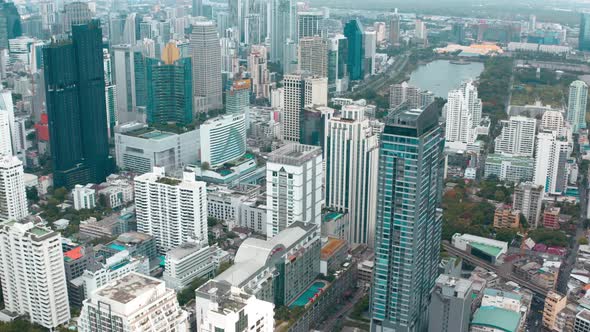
[584, 40]
[10, 23]
[356, 51]
[169, 91]
[74, 85]
[407, 239]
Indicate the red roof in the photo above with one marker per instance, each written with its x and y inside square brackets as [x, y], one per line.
[74, 253]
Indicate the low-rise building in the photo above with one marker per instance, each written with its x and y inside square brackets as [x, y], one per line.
[84, 197]
[134, 302]
[551, 217]
[108, 227]
[494, 319]
[188, 262]
[510, 168]
[137, 244]
[505, 217]
[479, 246]
[582, 321]
[554, 304]
[333, 253]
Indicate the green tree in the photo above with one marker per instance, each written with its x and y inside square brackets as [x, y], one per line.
[33, 194]
[506, 234]
[60, 194]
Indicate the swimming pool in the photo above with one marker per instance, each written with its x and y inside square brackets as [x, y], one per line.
[303, 299]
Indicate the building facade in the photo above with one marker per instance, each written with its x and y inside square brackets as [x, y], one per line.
[450, 306]
[13, 196]
[300, 90]
[223, 139]
[528, 198]
[206, 61]
[518, 136]
[576, 105]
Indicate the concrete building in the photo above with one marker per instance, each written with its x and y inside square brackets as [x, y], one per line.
[137, 244]
[107, 227]
[576, 105]
[258, 67]
[509, 168]
[293, 187]
[186, 263]
[351, 152]
[84, 197]
[450, 305]
[482, 247]
[223, 307]
[552, 121]
[133, 303]
[517, 137]
[528, 198]
[13, 197]
[139, 149]
[206, 60]
[554, 303]
[463, 113]
[582, 321]
[173, 211]
[5, 135]
[300, 90]
[505, 217]
[313, 56]
[494, 319]
[550, 161]
[76, 261]
[32, 275]
[551, 217]
[223, 139]
[403, 92]
[309, 24]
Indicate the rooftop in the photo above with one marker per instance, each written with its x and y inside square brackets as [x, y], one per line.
[331, 247]
[294, 154]
[496, 292]
[487, 249]
[501, 319]
[128, 288]
[224, 296]
[74, 254]
[184, 250]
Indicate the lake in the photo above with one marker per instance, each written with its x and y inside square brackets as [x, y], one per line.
[441, 76]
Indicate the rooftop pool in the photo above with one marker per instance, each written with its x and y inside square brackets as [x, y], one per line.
[308, 294]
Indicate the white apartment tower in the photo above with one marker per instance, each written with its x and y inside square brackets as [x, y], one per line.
[132, 303]
[518, 136]
[528, 198]
[463, 113]
[173, 211]
[474, 104]
[5, 139]
[13, 197]
[552, 121]
[206, 61]
[576, 105]
[351, 153]
[258, 67]
[293, 187]
[550, 160]
[300, 90]
[33, 274]
[313, 56]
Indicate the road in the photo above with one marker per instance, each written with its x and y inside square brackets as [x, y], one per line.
[378, 83]
[328, 325]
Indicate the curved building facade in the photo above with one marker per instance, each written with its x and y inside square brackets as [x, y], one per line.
[223, 139]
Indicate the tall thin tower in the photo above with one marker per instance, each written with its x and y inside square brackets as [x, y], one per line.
[206, 61]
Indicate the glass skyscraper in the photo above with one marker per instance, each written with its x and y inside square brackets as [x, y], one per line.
[356, 52]
[407, 239]
[169, 91]
[75, 90]
[584, 39]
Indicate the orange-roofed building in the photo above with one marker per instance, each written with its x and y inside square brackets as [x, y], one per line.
[333, 253]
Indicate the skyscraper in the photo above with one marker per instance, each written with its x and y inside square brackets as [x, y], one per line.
[169, 88]
[258, 67]
[351, 152]
[5, 138]
[356, 53]
[293, 187]
[33, 274]
[463, 114]
[313, 56]
[550, 161]
[408, 220]
[584, 38]
[197, 9]
[223, 139]
[13, 198]
[131, 94]
[110, 92]
[75, 13]
[337, 64]
[301, 90]
[576, 105]
[173, 211]
[309, 24]
[517, 137]
[206, 60]
[237, 98]
[528, 198]
[75, 89]
[283, 26]
[450, 307]
[10, 23]
[370, 47]
[394, 29]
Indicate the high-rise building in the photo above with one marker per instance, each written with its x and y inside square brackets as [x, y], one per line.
[463, 113]
[450, 306]
[13, 198]
[356, 53]
[223, 139]
[8, 126]
[283, 27]
[576, 105]
[528, 198]
[33, 276]
[403, 92]
[370, 47]
[258, 67]
[197, 8]
[314, 125]
[75, 13]
[206, 60]
[223, 307]
[121, 306]
[337, 67]
[351, 152]
[380, 28]
[110, 92]
[300, 90]
[408, 220]
[131, 88]
[420, 31]
[584, 37]
[188, 262]
[173, 211]
[169, 89]
[237, 98]
[5, 138]
[75, 89]
[550, 162]
[517, 137]
[313, 56]
[10, 23]
[394, 29]
[552, 121]
[309, 24]
[293, 187]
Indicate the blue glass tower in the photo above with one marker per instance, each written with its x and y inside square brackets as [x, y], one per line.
[407, 239]
[356, 51]
[584, 38]
[169, 91]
